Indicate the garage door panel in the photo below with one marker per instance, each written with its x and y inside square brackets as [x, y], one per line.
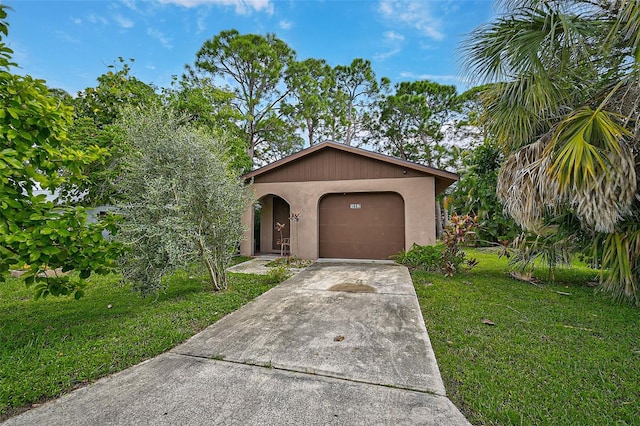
[364, 236]
[361, 225]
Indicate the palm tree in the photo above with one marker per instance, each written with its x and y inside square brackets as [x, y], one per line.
[565, 105]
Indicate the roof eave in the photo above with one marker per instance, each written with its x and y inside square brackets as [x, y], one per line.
[442, 174]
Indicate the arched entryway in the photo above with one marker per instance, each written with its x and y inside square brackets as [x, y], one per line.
[274, 210]
[361, 225]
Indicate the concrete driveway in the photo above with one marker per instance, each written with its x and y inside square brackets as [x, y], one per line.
[339, 343]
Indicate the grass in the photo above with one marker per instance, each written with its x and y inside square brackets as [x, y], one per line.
[49, 347]
[558, 354]
[289, 262]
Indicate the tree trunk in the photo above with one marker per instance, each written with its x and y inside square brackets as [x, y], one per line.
[445, 218]
[310, 132]
[218, 282]
[251, 150]
[349, 126]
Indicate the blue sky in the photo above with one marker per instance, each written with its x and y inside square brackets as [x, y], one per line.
[70, 43]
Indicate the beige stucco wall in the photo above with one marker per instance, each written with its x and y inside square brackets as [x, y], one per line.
[303, 197]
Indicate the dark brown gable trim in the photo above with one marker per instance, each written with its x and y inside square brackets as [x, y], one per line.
[331, 164]
[333, 161]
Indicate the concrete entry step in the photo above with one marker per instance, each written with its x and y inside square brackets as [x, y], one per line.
[258, 266]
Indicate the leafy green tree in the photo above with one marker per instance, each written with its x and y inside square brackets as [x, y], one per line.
[475, 194]
[408, 123]
[565, 107]
[180, 203]
[203, 104]
[102, 174]
[355, 91]
[34, 151]
[310, 83]
[254, 65]
[96, 110]
[398, 123]
[116, 89]
[283, 139]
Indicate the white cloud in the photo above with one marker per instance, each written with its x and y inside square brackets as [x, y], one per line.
[131, 4]
[242, 7]
[142, 8]
[285, 25]
[201, 21]
[414, 14]
[392, 35]
[386, 55]
[394, 42]
[386, 8]
[443, 79]
[158, 35]
[123, 22]
[96, 19]
[61, 35]
[77, 21]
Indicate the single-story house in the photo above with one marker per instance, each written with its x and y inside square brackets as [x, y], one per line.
[337, 201]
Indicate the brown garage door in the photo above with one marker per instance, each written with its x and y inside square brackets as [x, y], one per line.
[367, 225]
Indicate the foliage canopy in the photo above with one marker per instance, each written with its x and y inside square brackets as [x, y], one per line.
[35, 152]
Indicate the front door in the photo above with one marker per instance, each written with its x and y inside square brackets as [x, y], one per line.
[281, 213]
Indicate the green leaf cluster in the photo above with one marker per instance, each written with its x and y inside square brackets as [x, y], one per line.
[408, 123]
[256, 64]
[475, 194]
[34, 152]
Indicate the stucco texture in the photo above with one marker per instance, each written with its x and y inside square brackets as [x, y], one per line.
[418, 194]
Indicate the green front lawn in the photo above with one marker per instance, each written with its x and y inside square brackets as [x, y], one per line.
[558, 354]
[49, 347]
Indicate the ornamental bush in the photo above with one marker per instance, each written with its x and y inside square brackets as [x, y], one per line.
[180, 200]
[446, 257]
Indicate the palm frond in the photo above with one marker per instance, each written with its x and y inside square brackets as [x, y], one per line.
[594, 166]
[520, 110]
[626, 26]
[549, 245]
[535, 37]
[525, 188]
[620, 274]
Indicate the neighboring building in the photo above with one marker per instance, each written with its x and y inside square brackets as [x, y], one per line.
[337, 201]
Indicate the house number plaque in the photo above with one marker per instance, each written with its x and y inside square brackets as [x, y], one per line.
[356, 206]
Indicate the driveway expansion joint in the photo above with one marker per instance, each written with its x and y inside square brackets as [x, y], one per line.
[390, 293]
[309, 372]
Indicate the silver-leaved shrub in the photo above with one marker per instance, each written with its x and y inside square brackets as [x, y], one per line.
[179, 199]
